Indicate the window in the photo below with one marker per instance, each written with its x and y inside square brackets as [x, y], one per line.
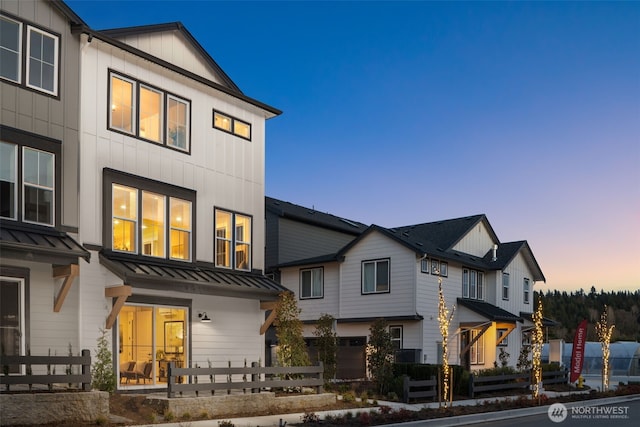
[40, 64]
[396, 337]
[472, 284]
[439, 268]
[10, 49]
[525, 287]
[42, 54]
[505, 286]
[477, 349]
[311, 283]
[149, 218]
[233, 248]
[130, 100]
[424, 265]
[232, 125]
[28, 178]
[505, 340]
[8, 178]
[375, 276]
[12, 315]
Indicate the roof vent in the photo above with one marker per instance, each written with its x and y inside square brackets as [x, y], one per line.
[495, 253]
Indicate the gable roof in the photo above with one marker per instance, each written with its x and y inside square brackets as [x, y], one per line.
[67, 12]
[507, 252]
[179, 27]
[311, 216]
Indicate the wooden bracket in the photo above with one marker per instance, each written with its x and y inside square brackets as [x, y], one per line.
[477, 337]
[508, 328]
[69, 272]
[269, 305]
[121, 293]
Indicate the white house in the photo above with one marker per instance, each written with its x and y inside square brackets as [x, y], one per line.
[394, 273]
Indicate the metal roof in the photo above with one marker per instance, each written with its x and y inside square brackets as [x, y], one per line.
[489, 311]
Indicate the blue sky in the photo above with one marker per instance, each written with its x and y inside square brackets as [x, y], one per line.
[397, 113]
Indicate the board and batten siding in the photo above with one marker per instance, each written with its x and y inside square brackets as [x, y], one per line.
[49, 116]
[400, 301]
[476, 242]
[225, 171]
[517, 270]
[298, 240]
[313, 308]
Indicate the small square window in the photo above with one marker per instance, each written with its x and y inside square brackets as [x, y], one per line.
[311, 283]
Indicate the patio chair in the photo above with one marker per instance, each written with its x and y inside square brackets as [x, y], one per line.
[128, 371]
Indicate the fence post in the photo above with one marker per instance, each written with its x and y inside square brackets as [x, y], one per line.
[170, 380]
[255, 378]
[405, 388]
[86, 369]
[320, 389]
[471, 386]
[436, 387]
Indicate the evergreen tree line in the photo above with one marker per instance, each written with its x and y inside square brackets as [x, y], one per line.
[569, 309]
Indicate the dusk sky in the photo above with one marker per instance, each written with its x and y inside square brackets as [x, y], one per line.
[397, 113]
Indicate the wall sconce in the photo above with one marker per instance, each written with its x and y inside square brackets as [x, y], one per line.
[204, 318]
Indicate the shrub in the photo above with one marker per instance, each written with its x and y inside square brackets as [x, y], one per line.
[380, 355]
[310, 418]
[169, 416]
[102, 376]
[349, 397]
[226, 423]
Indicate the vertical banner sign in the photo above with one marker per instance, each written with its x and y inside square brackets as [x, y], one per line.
[577, 354]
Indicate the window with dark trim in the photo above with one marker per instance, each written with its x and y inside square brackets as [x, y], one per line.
[146, 217]
[439, 268]
[29, 177]
[230, 124]
[375, 276]
[472, 284]
[14, 313]
[505, 342]
[146, 112]
[37, 67]
[311, 283]
[233, 233]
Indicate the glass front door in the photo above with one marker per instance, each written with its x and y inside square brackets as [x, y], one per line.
[149, 338]
[12, 319]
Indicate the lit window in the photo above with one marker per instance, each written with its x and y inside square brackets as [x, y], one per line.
[180, 238]
[150, 114]
[8, 178]
[122, 100]
[505, 286]
[10, 49]
[375, 276]
[505, 340]
[396, 337]
[42, 54]
[477, 349]
[38, 188]
[153, 224]
[232, 125]
[233, 249]
[525, 287]
[177, 123]
[125, 218]
[311, 283]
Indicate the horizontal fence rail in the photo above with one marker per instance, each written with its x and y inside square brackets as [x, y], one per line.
[26, 364]
[418, 389]
[254, 378]
[479, 384]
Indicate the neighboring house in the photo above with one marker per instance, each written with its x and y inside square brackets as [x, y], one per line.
[39, 148]
[393, 274]
[154, 159]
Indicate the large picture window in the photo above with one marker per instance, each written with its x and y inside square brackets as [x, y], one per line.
[232, 240]
[311, 283]
[149, 218]
[38, 68]
[375, 276]
[148, 113]
[472, 284]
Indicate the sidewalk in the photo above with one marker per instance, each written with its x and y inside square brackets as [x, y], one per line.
[289, 419]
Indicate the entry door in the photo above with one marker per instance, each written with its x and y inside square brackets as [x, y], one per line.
[12, 319]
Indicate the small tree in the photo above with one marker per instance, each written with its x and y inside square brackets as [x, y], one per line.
[524, 362]
[380, 355]
[327, 345]
[102, 376]
[537, 339]
[444, 320]
[604, 331]
[292, 350]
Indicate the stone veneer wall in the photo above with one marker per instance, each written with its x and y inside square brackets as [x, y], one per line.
[40, 408]
[240, 405]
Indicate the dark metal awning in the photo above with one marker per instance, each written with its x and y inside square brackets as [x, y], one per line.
[489, 311]
[196, 278]
[545, 320]
[39, 244]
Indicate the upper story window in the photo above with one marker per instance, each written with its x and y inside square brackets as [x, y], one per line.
[233, 249]
[28, 179]
[41, 62]
[311, 283]
[505, 286]
[149, 218]
[375, 276]
[525, 289]
[232, 125]
[424, 265]
[439, 268]
[395, 333]
[472, 284]
[149, 113]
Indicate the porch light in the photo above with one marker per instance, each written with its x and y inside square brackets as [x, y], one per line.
[204, 318]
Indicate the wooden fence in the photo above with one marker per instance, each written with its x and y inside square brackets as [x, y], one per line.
[479, 384]
[47, 379]
[254, 378]
[418, 389]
